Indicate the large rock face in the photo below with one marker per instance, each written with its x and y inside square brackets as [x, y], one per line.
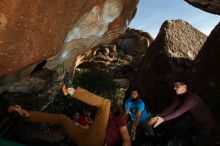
[134, 42]
[212, 6]
[49, 35]
[204, 74]
[34, 31]
[171, 53]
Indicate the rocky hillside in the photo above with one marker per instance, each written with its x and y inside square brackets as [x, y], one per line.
[171, 53]
[122, 57]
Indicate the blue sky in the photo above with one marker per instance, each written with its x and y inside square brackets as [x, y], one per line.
[152, 13]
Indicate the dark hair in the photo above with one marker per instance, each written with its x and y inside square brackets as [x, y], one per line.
[116, 110]
[14, 115]
[181, 79]
[16, 118]
[136, 87]
[134, 90]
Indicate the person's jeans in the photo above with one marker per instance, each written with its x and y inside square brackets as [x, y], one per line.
[183, 126]
[148, 130]
[94, 136]
[203, 136]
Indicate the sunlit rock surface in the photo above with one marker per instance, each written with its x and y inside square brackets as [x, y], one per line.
[40, 39]
[134, 42]
[212, 6]
[171, 53]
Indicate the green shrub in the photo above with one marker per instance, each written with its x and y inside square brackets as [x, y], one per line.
[96, 81]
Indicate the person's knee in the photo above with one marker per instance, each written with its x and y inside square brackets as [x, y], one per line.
[107, 102]
[62, 119]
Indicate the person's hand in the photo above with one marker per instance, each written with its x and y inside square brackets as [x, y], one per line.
[25, 113]
[133, 134]
[159, 121]
[152, 121]
[77, 124]
[19, 109]
[64, 89]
